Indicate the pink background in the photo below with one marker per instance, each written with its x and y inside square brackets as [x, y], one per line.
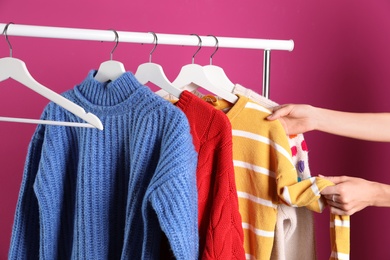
[340, 61]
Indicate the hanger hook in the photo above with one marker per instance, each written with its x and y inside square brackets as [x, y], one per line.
[216, 48]
[6, 38]
[155, 46]
[116, 43]
[200, 46]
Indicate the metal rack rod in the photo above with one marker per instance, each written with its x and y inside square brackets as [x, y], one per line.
[144, 37]
[266, 73]
[147, 38]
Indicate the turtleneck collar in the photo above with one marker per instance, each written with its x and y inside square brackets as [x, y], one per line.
[108, 93]
[109, 98]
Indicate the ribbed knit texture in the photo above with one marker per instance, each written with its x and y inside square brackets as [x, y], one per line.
[294, 225]
[266, 177]
[220, 231]
[91, 194]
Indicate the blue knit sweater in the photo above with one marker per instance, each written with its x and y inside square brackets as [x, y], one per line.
[91, 194]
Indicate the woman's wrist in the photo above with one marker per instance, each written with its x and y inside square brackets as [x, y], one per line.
[318, 118]
[381, 194]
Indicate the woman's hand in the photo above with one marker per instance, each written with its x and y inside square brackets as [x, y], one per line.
[296, 119]
[350, 195]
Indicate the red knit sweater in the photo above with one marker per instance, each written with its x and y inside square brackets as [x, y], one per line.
[220, 228]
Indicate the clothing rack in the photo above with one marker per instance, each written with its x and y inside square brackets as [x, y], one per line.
[147, 38]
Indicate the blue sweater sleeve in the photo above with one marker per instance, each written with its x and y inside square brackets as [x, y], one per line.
[39, 212]
[25, 234]
[172, 195]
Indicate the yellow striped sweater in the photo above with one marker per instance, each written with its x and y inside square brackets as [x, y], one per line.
[265, 177]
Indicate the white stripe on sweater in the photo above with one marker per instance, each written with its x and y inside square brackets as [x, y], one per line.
[258, 232]
[249, 257]
[287, 198]
[340, 256]
[255, 199]
[340, 223]
[314, 186]
[254, 168]
[257, 107]
[265, 140]
[317, 192]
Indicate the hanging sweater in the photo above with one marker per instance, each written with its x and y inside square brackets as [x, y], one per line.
[220, 230]
[90, 194]
[266, 177]
[294, 225]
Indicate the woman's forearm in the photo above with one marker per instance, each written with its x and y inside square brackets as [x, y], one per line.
[365, 126]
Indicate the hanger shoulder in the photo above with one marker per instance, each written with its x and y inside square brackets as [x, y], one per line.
[149, 72]
[154, 73]
[194, 74]
[110, 70]
[190, 73]
[13, 68]
[218, 77]
[71, 107]
[17, 70]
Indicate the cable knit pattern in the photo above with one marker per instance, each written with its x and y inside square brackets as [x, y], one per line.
[90, 194]
[220, 231]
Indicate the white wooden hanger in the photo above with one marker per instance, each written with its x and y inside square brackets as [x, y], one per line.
[16, 69]
[111, 69]
[193, 75]
[216, 74]
[154, 73]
